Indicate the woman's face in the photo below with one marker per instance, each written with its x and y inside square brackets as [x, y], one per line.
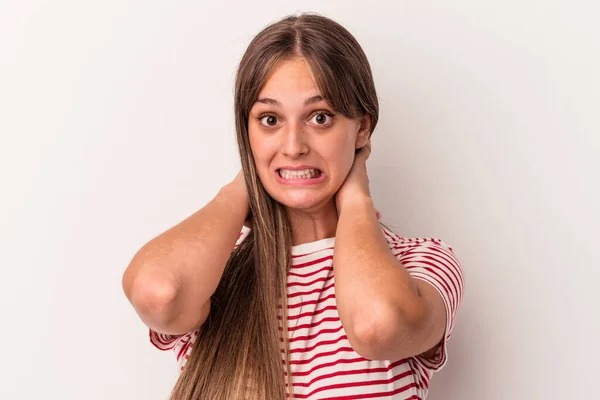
[302, 149]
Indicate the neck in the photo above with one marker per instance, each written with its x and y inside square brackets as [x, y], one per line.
[313, 224]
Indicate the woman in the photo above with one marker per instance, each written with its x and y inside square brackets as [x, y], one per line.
[244, 289]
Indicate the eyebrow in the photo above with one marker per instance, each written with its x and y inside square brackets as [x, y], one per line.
[307, 102]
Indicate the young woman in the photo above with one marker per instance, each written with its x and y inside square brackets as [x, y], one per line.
[286, 284]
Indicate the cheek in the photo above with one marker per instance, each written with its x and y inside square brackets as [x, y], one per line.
[344, 165]
[256, 146]
[262, 153]
[343, 158]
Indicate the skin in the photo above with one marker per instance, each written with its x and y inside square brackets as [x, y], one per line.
[386, 313]
[291, 134]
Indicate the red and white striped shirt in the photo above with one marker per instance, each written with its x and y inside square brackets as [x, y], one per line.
[323, 363]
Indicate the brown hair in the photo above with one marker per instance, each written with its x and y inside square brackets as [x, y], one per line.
[238, 352]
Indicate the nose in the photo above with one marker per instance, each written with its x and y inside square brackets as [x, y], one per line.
[294, 141]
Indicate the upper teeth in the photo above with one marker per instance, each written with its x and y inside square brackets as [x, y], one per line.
[301, 173]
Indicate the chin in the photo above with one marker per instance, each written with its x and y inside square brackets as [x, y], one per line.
[301, 202]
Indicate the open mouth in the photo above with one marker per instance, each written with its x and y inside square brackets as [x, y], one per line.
[299, 174]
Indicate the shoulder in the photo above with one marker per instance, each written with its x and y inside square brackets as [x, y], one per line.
[404, 243]
[427, 258]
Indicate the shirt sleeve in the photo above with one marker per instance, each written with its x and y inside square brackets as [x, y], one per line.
[182, 344]
[434, 262]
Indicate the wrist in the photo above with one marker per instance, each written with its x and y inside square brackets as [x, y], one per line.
[234, 190]
[356, 203]
[236, 198]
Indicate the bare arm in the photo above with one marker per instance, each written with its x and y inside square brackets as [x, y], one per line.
[171, 278]
[387, 314]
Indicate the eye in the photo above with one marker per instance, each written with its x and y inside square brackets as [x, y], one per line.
[268, 120]
[322, 118]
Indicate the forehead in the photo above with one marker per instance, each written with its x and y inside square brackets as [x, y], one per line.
[290, 78]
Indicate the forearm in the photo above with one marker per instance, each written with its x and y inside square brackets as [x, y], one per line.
[372, 288]
[170, 279]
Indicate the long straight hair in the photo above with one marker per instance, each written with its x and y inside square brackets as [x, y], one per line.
[242, 350]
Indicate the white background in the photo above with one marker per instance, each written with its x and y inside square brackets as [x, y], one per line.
[116, 123]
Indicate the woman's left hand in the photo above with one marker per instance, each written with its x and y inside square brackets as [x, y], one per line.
[356, 185]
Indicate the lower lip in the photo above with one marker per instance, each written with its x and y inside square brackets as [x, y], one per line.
[299, 181]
